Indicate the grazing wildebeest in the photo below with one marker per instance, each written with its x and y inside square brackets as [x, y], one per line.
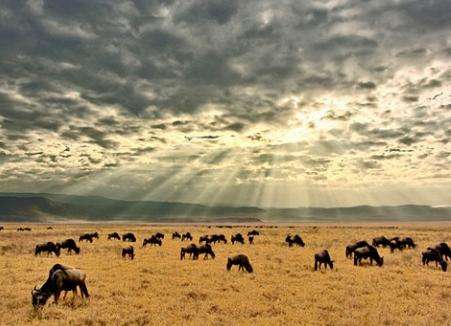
[21, 229]
[176, 235]
[49, 228]
[434, 255]
[381, 241]
[204, 238]
[297, 240]
[191, 249]
[159, 235]
[251, 239]
[367, 252]
[70, 245]
[205, 249]
[237, 238]
[352, 247]
[217, 238]
[153, 240]
[408, 242]
[187, 236]
[242, 261]
[114, 236]
[396, 243]
[129, 237]
[61, 278]
[49, 248]
[444, 250]
[323, 257]
[1, 228]
[86, 237]
[128, 251]
[253, 232]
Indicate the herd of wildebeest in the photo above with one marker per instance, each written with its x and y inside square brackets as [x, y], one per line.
[65, 278]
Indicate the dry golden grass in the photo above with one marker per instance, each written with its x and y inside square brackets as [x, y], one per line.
[158, 288]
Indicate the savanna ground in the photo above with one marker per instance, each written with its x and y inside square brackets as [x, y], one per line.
[158, 288]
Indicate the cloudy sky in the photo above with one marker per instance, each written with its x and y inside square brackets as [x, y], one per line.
[269, 103]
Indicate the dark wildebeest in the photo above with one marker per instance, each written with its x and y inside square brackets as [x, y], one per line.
[70, 245]
[128, 251]
[242, 261]
[251, 239]
[1, 228]
[86, 237]
[204, 238]
[49, 248]
[217, 238]
[352, 247]
[153, 240]
[381, 241]
[176, 235]
[49, 228]
[367, 252]
[323, 257]
[237, 238]
[114, 236]
[159, 235]
[187, 236]
[26, 229]
[396, 243]
[21, 229]
[191, 249]
[444, 250]
[434, 255]
[253, 232]
[297, 240]
[205, 249]
[129, 237]
[61, 278]
[408, 242]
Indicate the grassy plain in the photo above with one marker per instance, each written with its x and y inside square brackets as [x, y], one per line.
[157, 288]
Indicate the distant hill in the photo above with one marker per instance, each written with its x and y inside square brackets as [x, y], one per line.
[43, 207]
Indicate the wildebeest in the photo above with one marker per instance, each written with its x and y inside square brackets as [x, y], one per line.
[187, 236]
[159, 235]
[443, 249]
[204, 249]
[49, 248]
[114, 236]
[408, 242]
[367, 252]
[204, 238]
[88, 237]
[191, 249]
[49, 228]
[237, 238]
[242, 261]
[1, 228]
[153, 240]
[129, 237]
[70, 245]
[253, 232]
[176, 235]
[396, 244]
[61, 278]
[251, 239]
[217, 238]
[352, 247]
[323, 257]
[297, 240]
[128, 251]
[21, 229]
[381, 241]
[435, 255]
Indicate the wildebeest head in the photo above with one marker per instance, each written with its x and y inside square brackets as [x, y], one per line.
[229, 264]
[39, 297]
[381, 262]
[331, 264]
[443, 265]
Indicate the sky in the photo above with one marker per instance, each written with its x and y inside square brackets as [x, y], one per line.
[268, 103]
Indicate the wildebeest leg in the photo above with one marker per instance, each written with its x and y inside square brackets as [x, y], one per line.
[316, 265]
[57, 296]
[371, 261]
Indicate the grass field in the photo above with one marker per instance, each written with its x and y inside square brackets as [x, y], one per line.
[157, 288]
